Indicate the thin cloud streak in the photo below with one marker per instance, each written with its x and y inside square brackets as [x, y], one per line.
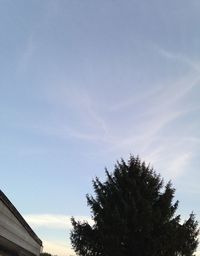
[162, 107]
[179, 163]
[54, 221]
[60, 248]
[79, 102]
[140, 131]
[25, 60]
[180, 58]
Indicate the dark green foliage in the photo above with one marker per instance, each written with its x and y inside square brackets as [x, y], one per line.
[134, 215]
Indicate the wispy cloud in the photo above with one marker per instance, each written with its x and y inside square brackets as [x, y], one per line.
[61, 246]
[54, 221]
[160, 109]
[143, 130]
[27, 55]
[195, 65]
[57, 247]
[177, 166]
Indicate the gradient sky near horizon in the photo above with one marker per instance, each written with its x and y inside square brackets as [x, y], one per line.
[84, 83]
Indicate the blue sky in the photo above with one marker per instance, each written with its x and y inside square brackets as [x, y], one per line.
[84, 83]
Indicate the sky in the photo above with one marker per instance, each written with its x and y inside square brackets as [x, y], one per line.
[84, 83]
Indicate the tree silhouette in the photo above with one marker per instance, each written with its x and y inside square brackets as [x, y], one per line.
[134, 215]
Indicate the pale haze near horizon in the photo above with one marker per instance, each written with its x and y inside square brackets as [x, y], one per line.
[84, 83]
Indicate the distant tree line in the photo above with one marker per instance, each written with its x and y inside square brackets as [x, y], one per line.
[46, 254]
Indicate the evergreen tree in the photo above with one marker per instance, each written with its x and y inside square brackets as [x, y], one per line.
[134, 215]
